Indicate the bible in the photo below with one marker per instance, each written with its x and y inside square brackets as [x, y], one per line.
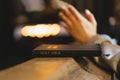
[66, 50]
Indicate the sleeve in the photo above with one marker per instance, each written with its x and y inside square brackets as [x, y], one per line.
[118, 70]
[110, 52]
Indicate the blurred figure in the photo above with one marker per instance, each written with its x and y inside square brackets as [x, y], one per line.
[112, 26]
[114, 29]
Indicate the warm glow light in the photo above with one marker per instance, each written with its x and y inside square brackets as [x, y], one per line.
[41, 30]
[52, 47]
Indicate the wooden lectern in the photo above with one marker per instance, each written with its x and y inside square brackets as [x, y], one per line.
[55, 69]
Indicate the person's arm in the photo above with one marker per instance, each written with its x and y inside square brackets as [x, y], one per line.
[110, 57]
[83, 29]
[109, 50]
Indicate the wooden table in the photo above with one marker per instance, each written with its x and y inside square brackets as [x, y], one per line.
[55, 69]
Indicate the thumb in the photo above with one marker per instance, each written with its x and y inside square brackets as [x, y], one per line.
[90, 17]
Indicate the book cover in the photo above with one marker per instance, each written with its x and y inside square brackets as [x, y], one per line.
[66, 50]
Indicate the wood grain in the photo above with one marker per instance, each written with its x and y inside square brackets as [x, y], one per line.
[54, 69]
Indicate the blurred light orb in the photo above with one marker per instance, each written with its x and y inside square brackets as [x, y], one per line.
[40, 30]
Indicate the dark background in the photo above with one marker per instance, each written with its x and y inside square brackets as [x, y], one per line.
[14, 52]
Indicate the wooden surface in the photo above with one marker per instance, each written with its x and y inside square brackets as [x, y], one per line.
[54, 69]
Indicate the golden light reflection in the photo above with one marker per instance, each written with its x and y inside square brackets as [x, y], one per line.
[49, 47]
[44, 71]
[55, 47]
[40, 30]
[52, 47]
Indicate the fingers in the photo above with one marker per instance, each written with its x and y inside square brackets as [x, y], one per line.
[90, 17]
[75, 13]
[68, 13]
[71, 16]
[65, 18]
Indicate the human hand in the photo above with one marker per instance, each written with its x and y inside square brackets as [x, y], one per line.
[81, 28]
